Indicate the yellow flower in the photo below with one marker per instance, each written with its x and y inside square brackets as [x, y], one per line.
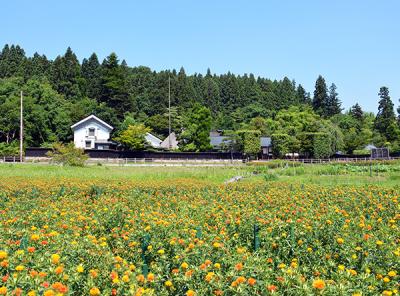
[386, 279]
[184, 265]
[19, 268]
[341, 267]
[79, 268]
[125, 278]
[161, 252]
[55, 258]
[340, 241]
[168, 284]
[35, 237]
[387, 293]
[49, 293]
[3, 255]
[94, 292]
[392, 273]
[379, 243]
[31, 293]
[3, 290]
[217, 265]
[216, 245]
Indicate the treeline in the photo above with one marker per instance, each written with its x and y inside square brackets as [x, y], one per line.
[60, 92]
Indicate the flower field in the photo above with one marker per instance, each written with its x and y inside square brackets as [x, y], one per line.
[64, 237]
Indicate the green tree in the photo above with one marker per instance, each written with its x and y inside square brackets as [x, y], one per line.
[197, 126]
[250, 140]
[91, 71]
[356, 112]
[114, 86]
[385, 116]
[333, 104]
[280, 144]
[320, 96]
[66, 75]
[12, 61]
[134, 136]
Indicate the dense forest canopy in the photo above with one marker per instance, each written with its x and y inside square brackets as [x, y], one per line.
[61, 92]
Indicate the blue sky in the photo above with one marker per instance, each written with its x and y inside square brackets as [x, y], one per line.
[354, 44]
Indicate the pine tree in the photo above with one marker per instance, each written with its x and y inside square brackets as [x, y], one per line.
[320, 96]
[333, 104]
[356, 112]
[12, 61]
[302, 96]
[114, 86]
[66, 75]
[91, 71]
[385, 116]
[38, 66]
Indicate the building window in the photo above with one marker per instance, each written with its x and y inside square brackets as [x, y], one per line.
[88, 144]
[91, 132]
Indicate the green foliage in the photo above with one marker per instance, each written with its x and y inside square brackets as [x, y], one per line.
[364, 152]
[322, 145]
[385, 119]
[251, 142]
[9, 149]
[280, 144]
[196, 135]
[134, 136]
[67, 155]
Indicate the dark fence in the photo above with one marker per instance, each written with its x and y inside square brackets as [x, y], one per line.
[95, 153]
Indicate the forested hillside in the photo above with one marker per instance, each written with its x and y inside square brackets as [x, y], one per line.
[60, 92]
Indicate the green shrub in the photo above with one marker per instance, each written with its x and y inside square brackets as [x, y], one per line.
[68, 155]
[362, 152]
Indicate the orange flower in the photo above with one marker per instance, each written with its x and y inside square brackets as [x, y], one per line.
[3, 290]
[319, 284]
[218, 292]
[59, 269]
[140, 278]
[190, 293]
[94, 292]
[241, 279]
[272, 288]
[150, 277]
[251, 281]
[31, 249]
[239, 266]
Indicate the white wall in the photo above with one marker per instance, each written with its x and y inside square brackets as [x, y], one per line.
[81, 133]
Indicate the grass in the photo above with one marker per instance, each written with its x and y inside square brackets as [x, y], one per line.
[387, 174]
[135, 173]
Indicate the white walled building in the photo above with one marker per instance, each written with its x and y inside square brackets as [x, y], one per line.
[92, 133]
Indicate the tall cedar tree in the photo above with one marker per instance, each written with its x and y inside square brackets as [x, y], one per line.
[114, 86]
[356, 112]
[385, 116]
[12, 61]
[66, 75]
[320, 96]
[333, 105]
[91, 72]
[303, 97]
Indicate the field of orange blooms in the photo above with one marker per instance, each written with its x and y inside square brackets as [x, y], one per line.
[194, 238]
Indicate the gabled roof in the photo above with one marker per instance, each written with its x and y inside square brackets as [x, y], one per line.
[166, 142]
[92, 117]
[153, 140]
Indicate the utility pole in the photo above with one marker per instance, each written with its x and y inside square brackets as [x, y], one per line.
[169, 112]
[21, 130]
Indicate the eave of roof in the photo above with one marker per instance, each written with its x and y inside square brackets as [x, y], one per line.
[92, 117]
